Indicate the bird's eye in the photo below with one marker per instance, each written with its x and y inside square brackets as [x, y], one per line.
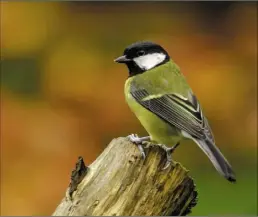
[140, 53]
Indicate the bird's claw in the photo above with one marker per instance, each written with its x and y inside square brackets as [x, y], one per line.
[169, 152]
[142, 151]
[134, 138]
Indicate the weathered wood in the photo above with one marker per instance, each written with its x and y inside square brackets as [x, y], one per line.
[119, 182]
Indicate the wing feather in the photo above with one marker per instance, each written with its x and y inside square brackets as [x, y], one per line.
[178, 111]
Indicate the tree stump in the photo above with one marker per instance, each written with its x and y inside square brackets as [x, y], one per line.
[120, 183]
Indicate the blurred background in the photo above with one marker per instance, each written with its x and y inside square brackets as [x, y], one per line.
[62, 94]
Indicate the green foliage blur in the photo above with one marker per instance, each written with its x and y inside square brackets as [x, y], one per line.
[62, 94]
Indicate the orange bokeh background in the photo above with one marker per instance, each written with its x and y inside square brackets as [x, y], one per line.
[62, 94]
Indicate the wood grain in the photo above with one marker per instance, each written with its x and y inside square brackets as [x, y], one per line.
[120, 183]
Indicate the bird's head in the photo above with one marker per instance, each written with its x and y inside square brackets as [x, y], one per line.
[143, 56]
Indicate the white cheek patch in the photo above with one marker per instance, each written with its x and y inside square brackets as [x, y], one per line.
[149, 61]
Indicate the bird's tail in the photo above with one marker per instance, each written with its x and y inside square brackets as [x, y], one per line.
[218, 160]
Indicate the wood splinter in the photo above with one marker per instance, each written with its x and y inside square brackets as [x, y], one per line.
[77, 175]
[120, 183]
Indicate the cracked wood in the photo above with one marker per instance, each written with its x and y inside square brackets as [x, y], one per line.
[120, 183]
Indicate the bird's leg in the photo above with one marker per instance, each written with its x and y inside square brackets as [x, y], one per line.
[169, 152]
[139, 141]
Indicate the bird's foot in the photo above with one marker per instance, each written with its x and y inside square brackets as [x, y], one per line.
[134, 138]
[169, 152]
[139, 140]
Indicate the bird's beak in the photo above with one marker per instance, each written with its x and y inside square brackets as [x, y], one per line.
[122, 59]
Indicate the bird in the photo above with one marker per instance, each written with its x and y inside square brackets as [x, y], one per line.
[160, 97]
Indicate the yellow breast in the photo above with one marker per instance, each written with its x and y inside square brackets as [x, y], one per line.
[159, 130]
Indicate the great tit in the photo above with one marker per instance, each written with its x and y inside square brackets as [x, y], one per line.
[161, 99]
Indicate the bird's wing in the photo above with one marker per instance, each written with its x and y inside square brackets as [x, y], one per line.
[177, 110]
[185, 114]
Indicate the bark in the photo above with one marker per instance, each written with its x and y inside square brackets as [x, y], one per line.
[120, 183]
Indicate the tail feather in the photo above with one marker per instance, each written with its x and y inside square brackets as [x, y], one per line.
[217, 159]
